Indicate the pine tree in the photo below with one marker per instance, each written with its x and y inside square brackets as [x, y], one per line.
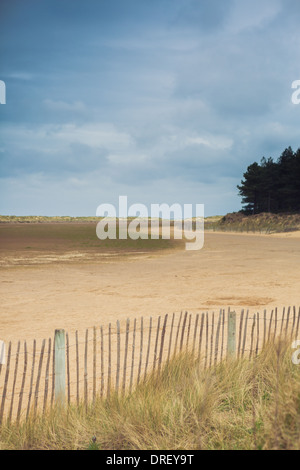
[272, 186]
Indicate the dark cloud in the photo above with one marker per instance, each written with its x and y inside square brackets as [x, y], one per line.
[152, 98]
[73, 160]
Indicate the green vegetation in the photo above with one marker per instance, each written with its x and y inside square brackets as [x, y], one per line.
[238, 404]
[38, 234]
[43, 219]
[272, 186]
[262, 223]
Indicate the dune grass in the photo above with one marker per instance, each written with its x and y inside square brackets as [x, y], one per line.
[236, 405]
[258, 223]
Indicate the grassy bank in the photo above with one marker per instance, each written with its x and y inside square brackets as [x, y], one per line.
[262, 223]
[239, 404]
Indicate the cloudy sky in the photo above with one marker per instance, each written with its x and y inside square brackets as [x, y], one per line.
[164, 101]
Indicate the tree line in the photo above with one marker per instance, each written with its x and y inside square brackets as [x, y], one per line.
[272, 186]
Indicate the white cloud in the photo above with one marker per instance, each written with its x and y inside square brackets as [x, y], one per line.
[247, 15]
[214, 142]
[21, 75]
[94, 135]
[63, 106]
[49, 137]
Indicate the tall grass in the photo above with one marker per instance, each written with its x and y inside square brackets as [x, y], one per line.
[237, 404]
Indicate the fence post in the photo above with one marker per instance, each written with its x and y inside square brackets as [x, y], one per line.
[231, 337]
[59, 367]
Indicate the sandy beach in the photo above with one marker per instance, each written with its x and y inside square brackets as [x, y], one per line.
[75, 291]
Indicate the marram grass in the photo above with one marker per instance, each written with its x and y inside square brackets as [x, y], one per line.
[238, 404]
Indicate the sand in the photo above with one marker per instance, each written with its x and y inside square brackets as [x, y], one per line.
[75, 292]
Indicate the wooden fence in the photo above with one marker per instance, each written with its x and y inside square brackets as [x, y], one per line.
[72, 369]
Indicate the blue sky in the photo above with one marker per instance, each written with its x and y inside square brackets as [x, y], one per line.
[164, 101]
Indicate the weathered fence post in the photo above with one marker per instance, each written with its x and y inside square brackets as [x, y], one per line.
[60, 367]
[231, 335]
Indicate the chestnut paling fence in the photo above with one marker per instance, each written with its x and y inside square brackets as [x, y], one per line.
[70, 368]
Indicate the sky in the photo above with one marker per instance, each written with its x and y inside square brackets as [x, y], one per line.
[162, 101]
